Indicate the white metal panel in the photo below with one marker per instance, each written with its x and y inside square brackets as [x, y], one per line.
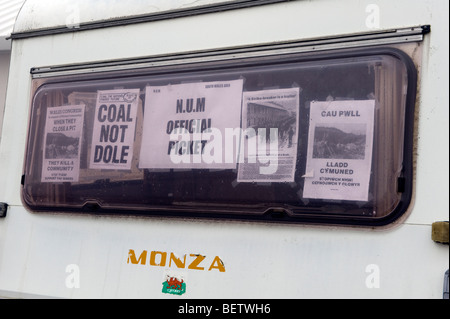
[47, 14]
[432, 188]
[261, 261]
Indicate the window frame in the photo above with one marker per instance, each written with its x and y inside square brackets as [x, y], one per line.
[109, 70]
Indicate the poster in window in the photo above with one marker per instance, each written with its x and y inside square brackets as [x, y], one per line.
[269, 139]
[114, 129]
[185, 125]
[62, 143]
[340, 145]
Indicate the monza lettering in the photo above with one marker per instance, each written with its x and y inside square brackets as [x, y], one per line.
[163, 259]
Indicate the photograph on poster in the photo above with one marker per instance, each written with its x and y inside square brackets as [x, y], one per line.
[340, 141]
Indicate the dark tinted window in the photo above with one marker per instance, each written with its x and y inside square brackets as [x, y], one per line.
[323, 138]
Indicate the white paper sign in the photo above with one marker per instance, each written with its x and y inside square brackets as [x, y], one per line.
[114, 127]
[185, 125]
[62, 142]
[270, 132]
[339, 150]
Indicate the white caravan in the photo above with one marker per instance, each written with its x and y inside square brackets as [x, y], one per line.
[226, 149]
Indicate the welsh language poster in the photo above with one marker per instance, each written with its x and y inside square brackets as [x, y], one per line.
[62, 142]
[340, 146]
[114, 128]
[270, 122]
[185, 125]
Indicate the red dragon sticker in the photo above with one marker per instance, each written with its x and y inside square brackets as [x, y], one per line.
[174, 286]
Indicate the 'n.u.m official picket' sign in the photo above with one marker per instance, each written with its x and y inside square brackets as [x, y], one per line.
[184, 123]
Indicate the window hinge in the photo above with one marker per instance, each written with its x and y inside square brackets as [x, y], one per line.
[445, 293]
[439, 232]
[3, 209]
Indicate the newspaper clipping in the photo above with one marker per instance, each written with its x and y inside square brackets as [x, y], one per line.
[270, 122]
[185, 124]
[114, 128]
[63, 131]
[339, 150]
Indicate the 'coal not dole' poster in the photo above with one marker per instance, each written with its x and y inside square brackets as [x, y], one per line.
[185, 125]
[114, 128]
[340, 146]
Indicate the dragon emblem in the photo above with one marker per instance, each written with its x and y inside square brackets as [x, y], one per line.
[174, 283]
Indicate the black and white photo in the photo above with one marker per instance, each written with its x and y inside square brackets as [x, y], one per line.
[340, 141]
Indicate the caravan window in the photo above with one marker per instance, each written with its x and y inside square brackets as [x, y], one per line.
[316, 138]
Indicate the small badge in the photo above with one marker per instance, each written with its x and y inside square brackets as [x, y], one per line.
[174, 284]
